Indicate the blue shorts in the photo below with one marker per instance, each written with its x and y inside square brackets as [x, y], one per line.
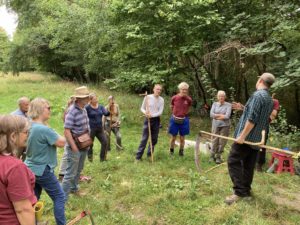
[183, 129]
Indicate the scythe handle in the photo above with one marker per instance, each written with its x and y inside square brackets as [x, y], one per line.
[258, 144]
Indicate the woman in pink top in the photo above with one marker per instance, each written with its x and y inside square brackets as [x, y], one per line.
[16, 180]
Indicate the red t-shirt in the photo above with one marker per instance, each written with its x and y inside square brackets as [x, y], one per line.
[276, 105]
[180, 105]
[16, 183]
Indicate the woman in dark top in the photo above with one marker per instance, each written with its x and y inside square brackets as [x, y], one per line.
[95, 113]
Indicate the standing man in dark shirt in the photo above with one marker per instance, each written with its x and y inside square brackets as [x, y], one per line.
[95, 113]
[179, 122]
[255, 118]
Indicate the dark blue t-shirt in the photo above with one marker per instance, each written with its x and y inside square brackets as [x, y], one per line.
[95, 116]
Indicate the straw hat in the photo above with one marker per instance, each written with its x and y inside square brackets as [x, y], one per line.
[81, 92]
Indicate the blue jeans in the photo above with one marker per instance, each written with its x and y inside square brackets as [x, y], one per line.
[74, 167]
[49, 182]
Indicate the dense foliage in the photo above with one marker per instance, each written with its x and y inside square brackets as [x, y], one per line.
[131, 44]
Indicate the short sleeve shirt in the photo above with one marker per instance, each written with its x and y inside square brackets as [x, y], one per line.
[95, 116]
[41, 149]
[180, 105]
[16, 184]
[77, 120]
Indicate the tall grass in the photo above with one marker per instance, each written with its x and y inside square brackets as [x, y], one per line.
[169, 191]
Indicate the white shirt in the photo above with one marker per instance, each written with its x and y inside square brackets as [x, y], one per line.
[155, 104]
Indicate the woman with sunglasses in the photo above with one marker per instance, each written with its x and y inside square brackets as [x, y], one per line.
[42, 158]
[16, 180]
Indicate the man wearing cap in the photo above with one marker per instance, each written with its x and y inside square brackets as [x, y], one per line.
[23, 103]
[113, 122]
[76, 123]
[242, 157]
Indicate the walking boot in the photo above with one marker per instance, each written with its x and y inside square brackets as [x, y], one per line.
[218, 160]
[212, 158]
[181, 152]
[171, 151]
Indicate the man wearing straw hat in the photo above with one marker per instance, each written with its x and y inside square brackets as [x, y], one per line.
[242, 157]
[76, 123]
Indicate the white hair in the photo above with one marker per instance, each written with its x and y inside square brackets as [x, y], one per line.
[183, 85]
[221, 93]
[23, 99]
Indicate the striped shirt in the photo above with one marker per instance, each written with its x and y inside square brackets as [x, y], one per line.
[77, 120]
[257, 111]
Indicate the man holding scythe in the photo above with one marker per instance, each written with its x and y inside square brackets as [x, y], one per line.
[152, 108]
[242, 157]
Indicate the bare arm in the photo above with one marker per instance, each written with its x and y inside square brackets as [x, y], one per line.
[273, 114]
[70, 140]
[237, 106]
[61, 141]
[24, 212]
[248, 127]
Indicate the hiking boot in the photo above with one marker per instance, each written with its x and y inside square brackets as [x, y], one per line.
[232, 199]
[219, 160]
[136, 161]
[211, 158]
[181, 152]
[171, 151]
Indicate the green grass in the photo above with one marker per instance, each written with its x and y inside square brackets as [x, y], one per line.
[169, 191]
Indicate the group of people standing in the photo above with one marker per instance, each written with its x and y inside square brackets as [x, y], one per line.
[22, 184]
[152, 108]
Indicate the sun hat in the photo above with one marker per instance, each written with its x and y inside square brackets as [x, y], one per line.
[81, 92]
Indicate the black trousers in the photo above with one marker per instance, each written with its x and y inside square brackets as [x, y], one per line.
[241, 164]
[154, 128]
[99, 134]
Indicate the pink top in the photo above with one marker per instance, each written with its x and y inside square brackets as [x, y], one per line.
[16, 184]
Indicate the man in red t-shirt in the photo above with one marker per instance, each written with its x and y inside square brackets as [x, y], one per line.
[179, 122]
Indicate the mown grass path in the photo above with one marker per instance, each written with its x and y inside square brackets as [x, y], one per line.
[169, 191]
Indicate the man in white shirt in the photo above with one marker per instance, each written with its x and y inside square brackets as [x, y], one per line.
[152, 108]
